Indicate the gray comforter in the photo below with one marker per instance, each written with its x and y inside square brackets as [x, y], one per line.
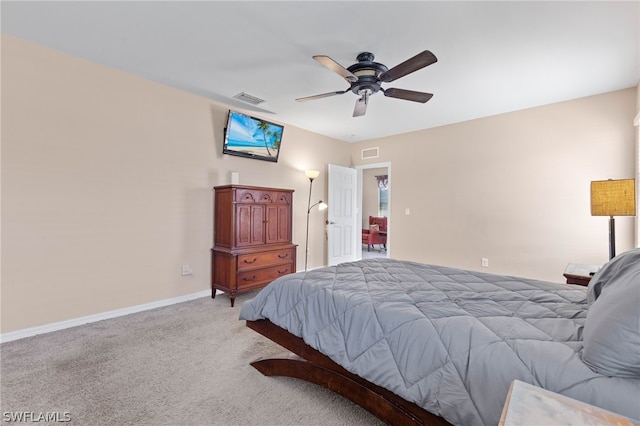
[447, 339]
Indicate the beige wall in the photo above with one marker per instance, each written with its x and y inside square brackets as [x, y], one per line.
[513, 188]
[107, 186]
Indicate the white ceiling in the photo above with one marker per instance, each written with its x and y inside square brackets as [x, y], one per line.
[493, 57]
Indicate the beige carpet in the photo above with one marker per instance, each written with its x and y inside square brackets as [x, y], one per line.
[185, 364]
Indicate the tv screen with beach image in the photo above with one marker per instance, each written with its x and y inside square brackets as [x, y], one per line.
[251, 137]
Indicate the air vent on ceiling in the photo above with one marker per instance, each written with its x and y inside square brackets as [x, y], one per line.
[248, 98]
[369, 153]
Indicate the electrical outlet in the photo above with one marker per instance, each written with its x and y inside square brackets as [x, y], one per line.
[485, 262]
[187, 270]
[407, 212]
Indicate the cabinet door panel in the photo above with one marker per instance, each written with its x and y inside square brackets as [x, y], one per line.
[271, 228]
[284, 223]
[278, 224]
[243, 225]
[250, 225]
[257, 225]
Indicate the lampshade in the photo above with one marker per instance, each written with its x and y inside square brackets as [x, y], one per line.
[312, 174]
[613, 197]
[322, 206]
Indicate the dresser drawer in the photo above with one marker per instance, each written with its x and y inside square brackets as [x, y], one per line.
[253, 196]
[266, 258]
[258, 277]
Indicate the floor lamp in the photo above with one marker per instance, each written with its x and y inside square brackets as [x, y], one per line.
[613, 198]
[311, 174]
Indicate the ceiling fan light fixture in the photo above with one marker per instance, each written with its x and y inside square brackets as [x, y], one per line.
[365, 71]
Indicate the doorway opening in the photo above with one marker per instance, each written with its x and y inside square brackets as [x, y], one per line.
[374, 205]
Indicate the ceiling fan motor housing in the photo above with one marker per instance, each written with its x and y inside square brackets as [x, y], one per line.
[367, 72]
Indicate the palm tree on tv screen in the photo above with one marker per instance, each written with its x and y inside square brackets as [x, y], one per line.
[267, 134]
[277, 136]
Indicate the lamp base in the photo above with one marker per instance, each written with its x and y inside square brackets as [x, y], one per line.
[612, 237]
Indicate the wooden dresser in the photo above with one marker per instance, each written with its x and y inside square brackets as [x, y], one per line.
[252, 238]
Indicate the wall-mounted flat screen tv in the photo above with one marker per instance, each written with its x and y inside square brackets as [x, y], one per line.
[252, 137]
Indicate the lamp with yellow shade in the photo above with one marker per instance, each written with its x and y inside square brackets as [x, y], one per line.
[613, 198]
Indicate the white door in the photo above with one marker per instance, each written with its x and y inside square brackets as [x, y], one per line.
[342, 215]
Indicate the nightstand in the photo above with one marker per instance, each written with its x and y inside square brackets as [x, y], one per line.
[579, 274]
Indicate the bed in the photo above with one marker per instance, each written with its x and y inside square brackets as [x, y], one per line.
[417, 343]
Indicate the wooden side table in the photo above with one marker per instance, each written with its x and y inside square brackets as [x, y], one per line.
[579, 274]
[577, 279]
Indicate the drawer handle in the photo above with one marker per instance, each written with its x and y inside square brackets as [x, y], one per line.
[250, 261]
[283, 272]
[250, 279]
[283, 256]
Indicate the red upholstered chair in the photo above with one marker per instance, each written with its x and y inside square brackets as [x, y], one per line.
[376, 234]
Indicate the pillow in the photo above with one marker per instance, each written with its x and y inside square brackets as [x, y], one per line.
[611, 336]
[374, 227]
[605, 275]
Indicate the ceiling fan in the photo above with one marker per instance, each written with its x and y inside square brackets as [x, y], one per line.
[365, 78]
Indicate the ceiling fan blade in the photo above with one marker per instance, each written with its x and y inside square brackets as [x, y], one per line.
[323, 95]
[408, 95]
[419, 61]
[361, 106]
[336, 67]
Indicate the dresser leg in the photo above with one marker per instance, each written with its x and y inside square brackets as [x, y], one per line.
[213, 293]
[233, 299]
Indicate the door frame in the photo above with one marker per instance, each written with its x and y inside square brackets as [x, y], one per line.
[360, 168]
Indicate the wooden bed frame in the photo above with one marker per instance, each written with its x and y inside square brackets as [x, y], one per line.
[312, 366]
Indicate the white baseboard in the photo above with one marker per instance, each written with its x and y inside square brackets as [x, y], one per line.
[47, 328]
